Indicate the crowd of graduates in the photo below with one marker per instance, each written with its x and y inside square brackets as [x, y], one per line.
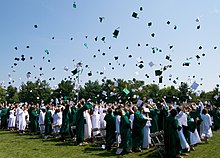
[127, 126]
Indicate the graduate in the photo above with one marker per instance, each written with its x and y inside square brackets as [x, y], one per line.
[33, 120]
[215, 113]
[138, 129]
[171, 137]
[11, 120]
[48, 120]
[4, 117]
[117, 125]
[205, 129]
[95, 118]
[64, 131]
[87, 125]
[154, 112]
[41, 120]
[125, 132]
[82, 106]
[110, 129]
[146, 138]
[57, 122]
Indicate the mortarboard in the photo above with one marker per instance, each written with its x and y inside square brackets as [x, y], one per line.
[153, 34]
[160, 79]
[158, 72]
[90, 73]
[149, 24]
[35, 26]
[115, 33]
[198, 27]
[168, 22]
[134, 15]
[75, 71]
[141, 8]
[101, 19]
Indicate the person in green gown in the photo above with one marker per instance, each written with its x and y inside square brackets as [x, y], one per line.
[33, 121]
[64, 131]
[4, 117]
[82, 106]
[110, 129]
[73, 121]
[195, 114]
[125, 132]
[154, 112]
[48, 122]
[138, 129]
[215, 113]
[171, 137]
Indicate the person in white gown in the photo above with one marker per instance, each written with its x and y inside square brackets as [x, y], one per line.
[118, 120]
[57, 122]
[146, 138]
[205, 128]
[87, 125]
[96, 120]
[12, 118]
[182, 121]
[41, 120]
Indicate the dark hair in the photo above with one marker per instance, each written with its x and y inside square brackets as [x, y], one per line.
[204, 111]
[109, 110]
[173, 112]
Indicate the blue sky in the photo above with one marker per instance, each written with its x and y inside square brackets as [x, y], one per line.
[60, 20]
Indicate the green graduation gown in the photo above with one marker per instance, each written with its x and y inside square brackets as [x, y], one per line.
[154, 122]
[138, 130]
[48, 122]
[4, 117]
[125, 132]
[65, 121]
[80, 123]
[171, 137]
[33, 121]
[110, 130]
[216, 118]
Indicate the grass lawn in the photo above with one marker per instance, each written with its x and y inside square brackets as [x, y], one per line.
[13, 145]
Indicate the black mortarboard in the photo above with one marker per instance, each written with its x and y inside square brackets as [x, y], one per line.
[35, 26]
[160, 79]
[16, 48]
[141, 66]
[116, 57]
[109, 47]
[141, 8]
[171, 46]
[146, 44]
[186, 64]
[41, 68]
[123, 65]
[115, 33]
[158, 72]
[103, 39]
[149, 24]
[15, 64]
[113, 68]
[167, 57]
[31, 58]
[198, 27]
[153, 34]
[139, 44]
[53, 68]
[200, 47]
[27, 46]
[203, 54]
[134, 15]
[130, 56]
[147, 75]
[215, 47]
[109, 63]
[94, 56]
[175, 27]
[48, 60]
[197, 56]
[86, 66]
[96, 38]
[74, 71]
[168, 22]
[101, 19]
[52, 37]
[103, 54]
[71, 38]
[90, 73]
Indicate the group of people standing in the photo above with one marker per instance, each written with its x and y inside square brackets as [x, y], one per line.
[127, 126]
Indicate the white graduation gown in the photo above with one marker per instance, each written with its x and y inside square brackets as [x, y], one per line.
[11, 121]
[96, 120]
[147, 138]
[87, 125]
[205, 128]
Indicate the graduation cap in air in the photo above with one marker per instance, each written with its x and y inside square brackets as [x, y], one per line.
[139, 44]
[31, 58]
[75, 71]
[130, 56]
[147, 75]
[16, 48]
[149, 24]
[175, 27]
[94, 56]
[203, 54]
[74, 4]
[41, 68]
[90, 73]
[101, 19]
[53, 38]
[160, 79]
[15, 64]
[141, 66]
[171, 46]
[186, 64]
[103, 39]
[215, 47]
[126, 47]
[197, 57]
[103, 54]
[135, 15]
[167, 57]
[35, 26]
[153, 34]
[194, 86]
[158, 72]
[151, 64]
[48, 60]
[200, 47]
[71, 38]
[168, 22]
[96, 38]
[116, 57]
[198, 27]
[115, 33]
[27, 46]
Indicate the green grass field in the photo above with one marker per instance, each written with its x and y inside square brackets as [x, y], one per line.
[13, 145]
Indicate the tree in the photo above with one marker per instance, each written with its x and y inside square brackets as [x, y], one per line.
[12, 95]
[35, 92]
[170, 93]
[2, 94]
[183, 92]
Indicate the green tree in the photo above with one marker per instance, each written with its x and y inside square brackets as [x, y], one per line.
[2, 94]
[12, 95]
